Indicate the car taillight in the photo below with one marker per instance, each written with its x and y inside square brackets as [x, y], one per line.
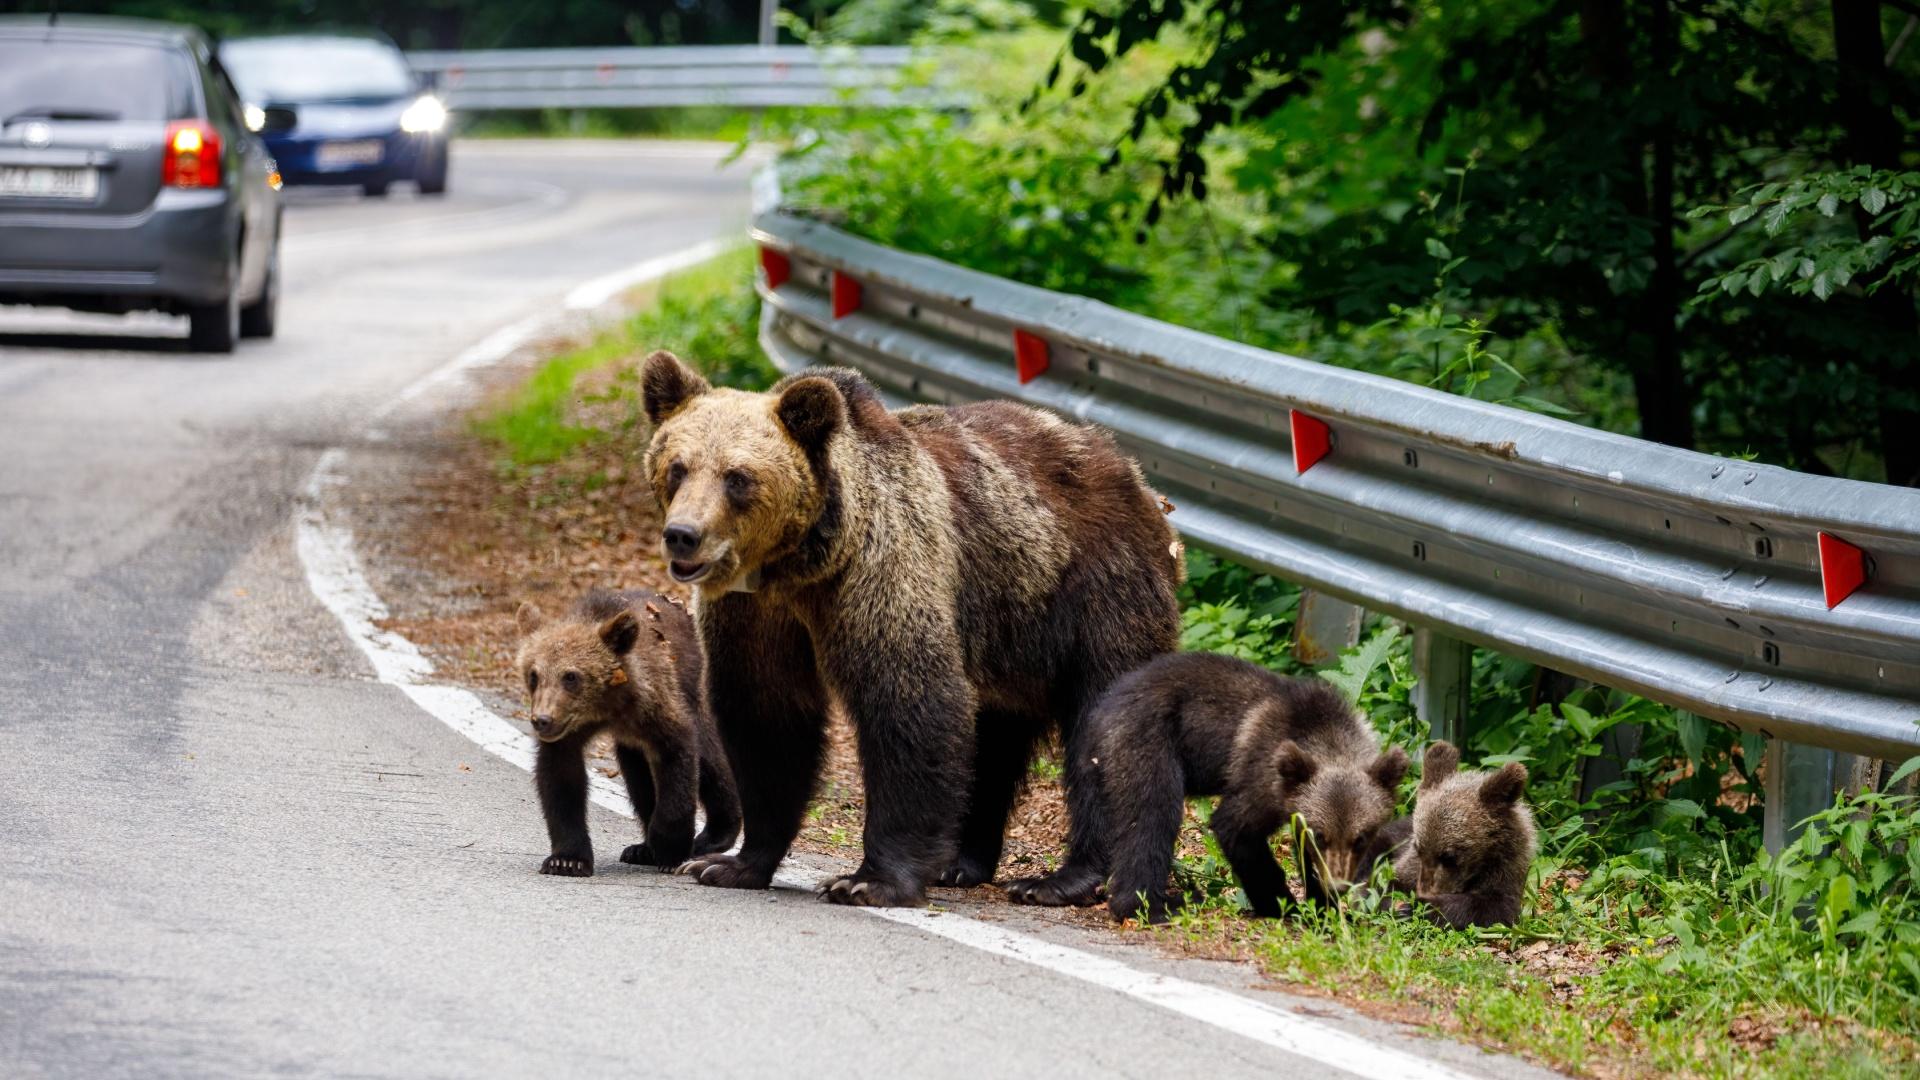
[192, 159]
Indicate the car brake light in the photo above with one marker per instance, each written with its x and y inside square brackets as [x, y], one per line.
[192, 158]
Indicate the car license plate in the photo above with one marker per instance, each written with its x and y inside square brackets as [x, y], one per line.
[48, 182]
[334, 155]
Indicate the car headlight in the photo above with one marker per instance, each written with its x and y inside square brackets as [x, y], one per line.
[423, 116]
[255, 116]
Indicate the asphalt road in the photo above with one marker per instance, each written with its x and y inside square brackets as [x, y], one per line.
[230, 851]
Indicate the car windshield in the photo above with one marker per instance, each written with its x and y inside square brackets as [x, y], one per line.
[43, 79]
[273, 70]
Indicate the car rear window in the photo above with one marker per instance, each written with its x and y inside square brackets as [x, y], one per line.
[86, 80]
[271, 71]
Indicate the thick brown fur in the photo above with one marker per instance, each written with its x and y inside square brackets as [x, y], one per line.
[956, 578]
[1271, 747]
[629, 664]
[1473, 842]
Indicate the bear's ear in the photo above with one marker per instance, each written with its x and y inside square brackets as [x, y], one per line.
[620, 632]
[1389, 768]
[811, 409]
[528, 618]
[667, 385]
[1293, 763]
[1503, 788]
[1441, 761]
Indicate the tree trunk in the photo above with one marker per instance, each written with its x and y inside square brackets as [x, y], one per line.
[1873, 138]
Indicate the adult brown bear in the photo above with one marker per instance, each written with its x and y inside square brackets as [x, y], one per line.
[956, 578]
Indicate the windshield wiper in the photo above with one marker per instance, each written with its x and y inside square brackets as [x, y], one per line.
[50, 112]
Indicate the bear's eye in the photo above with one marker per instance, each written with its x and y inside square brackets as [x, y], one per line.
[739, 485]
[533, 681]
[676, 473]
[1447, 860]
[570, 682]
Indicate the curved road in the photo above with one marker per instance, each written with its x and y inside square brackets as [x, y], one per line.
[232, 852]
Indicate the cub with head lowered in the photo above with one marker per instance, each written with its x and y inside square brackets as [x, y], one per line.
[626, 663]
[1472, 842]
[1270, 747]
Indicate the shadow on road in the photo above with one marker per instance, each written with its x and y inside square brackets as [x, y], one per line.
[44, 339]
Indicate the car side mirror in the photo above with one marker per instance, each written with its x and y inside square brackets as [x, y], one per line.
[278, 119]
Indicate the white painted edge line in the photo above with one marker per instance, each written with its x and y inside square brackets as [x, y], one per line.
[592, 294]
[326, 551]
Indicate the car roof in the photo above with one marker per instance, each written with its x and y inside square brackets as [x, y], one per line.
[100, 28]
[373, 37]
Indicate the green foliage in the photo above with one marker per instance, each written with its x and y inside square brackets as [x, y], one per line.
[1830, 253]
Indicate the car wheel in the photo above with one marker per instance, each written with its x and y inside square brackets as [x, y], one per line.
[375, 191]
[433, 178]
[257, 319]
[214, 327]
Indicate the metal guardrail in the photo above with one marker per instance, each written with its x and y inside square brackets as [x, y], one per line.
[646, 77]
[1690, 579]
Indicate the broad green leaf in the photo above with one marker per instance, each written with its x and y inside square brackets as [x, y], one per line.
[1829, 204]
[1873, 200]
[1358, 664]
[1693, 736]
[1437, 249]
[1681, 808]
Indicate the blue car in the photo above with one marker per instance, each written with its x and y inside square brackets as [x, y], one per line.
[341, 110]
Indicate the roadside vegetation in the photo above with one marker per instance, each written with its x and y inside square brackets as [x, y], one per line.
[1662, 939]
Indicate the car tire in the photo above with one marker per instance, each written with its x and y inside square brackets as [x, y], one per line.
[257, 319]
[214, 328]
[433, 178]
[375, 191]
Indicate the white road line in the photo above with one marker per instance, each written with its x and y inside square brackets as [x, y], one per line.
[326, 551]
[592, 294]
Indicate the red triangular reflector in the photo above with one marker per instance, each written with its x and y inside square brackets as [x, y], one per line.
[846, 295]
[776, 266]
[1312, 440]
[1843, 569]
[1030, 357]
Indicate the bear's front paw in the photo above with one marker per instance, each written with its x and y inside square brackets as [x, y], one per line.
[568, 865]
[1067, 887]
[642, 855]
[863, 890]
[726, 872]
[965, 873]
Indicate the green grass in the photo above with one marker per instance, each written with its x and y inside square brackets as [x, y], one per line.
[707, 314]
[710, 122]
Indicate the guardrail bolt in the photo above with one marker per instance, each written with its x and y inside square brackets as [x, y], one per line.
[1412, 458]
[846, 295]
[1420, 551]
[1843, 569]
[1763, 547]
[1770, 653]
[1030, 356]
[775, 265]
[1312, 440]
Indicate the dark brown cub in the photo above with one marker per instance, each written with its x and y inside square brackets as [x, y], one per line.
[1271, 747]
[629, 664]
[1473, 842]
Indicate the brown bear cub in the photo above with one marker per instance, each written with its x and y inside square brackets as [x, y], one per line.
[957, 580]
[1271, 747]
[627, 663]
[1472, 842]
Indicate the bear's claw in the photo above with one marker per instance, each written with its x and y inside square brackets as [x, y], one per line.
[725, 872]
[1064, 888]
[860, 891]
[568, 865]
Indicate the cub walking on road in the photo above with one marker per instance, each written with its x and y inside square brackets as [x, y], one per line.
[1472, 842]
[628, 663]
[1270, 747]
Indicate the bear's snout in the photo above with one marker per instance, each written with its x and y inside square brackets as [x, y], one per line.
[542, 724]
[682, 540]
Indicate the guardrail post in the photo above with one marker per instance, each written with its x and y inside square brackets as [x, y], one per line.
[1800, 781]
[1441, 697]
[1323, 626]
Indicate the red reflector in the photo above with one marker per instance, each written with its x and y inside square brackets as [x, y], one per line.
[1312, 440]
[846, 295]
[1029, 356]
[1843, 569]
[190, 157]
[775, 266]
